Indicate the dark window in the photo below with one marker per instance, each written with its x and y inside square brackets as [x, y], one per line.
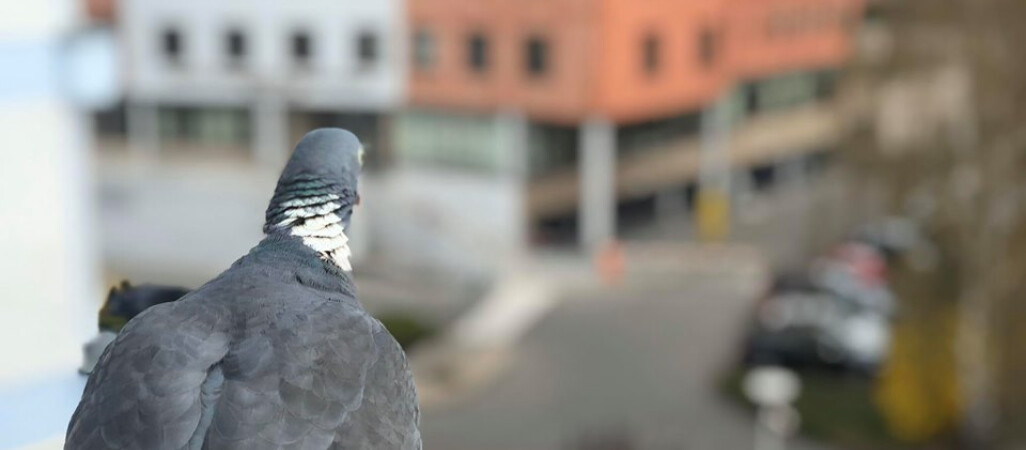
[367, 48]
[537, 54]
[207, 127]
[423, 49]
[552, 147]
[751, 98]
[171, 42]
[235, 44]
[477, 52]
[655, 132]
[707, 47]
[301, 47]
[111, 121]
[826, 85]
[650, 50]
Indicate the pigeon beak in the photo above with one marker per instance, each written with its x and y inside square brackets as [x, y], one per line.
[357, 199]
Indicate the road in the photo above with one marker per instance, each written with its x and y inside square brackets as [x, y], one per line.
[635, 365]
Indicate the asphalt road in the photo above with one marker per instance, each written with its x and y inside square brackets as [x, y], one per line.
[632, 368]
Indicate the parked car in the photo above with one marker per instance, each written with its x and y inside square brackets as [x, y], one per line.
[856, 272]
[837, 313]
[801, 323]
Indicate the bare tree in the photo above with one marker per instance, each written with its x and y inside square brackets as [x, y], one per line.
[943, 134]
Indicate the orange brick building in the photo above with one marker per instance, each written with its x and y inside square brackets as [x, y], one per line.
[628, 60]
[566, 110]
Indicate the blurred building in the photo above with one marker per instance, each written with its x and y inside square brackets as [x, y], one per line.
[57, 66]
[237, 76]
[101, 11]
[215, 95]
[536, 121]
[506, 124]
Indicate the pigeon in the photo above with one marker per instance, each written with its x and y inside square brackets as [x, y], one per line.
[123, 303]
[275, 352]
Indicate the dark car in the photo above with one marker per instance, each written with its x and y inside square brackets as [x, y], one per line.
[799, 323]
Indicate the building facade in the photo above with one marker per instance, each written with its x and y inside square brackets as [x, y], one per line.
[507, 123]
[235, 75]
[215, 96]
[608, 97]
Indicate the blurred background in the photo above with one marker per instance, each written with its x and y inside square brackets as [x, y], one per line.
[593, 224]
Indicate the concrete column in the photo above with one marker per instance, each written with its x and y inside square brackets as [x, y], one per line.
[513, 129]
[713, 212]
[714, 172]
[270, 130]
[597, 207]
[143, 129]
[513, 132]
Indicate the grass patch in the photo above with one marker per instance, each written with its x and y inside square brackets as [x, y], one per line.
[406, 329]
[834, 407]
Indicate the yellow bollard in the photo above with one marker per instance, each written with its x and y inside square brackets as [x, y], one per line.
[713, 215]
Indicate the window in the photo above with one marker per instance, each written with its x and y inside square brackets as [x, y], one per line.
[235, 45]
[655, 132]
[301, 47]
[650, 51]
[207, 127]
[367, 48]
[171, 44]
[537, 56]
[477, 52]
[111, 121]
[423, 49]
[707, 47]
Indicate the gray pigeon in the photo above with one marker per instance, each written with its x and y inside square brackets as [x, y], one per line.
[276, 352]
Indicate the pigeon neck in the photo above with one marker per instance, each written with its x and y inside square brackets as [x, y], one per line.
[315, 211]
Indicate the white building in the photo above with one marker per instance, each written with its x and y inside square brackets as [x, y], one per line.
[255, 75]
[216, 95]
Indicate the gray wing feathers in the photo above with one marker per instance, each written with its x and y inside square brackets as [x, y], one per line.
[144, 392]
[390, 416]
[210, 393]
[212, 374]
[299, 398]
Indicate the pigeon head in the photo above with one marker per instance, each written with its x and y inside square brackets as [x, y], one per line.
[316, 193]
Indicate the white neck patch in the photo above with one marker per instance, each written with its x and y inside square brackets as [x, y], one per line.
[321, 229]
